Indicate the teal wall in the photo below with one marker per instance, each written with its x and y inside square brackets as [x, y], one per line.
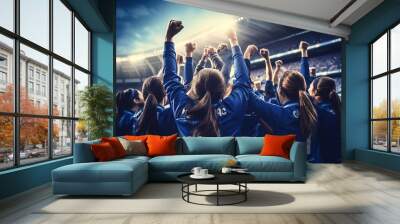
[103, 58]
[99, 16]
[24, 178]
[356, 85]
[103, 61]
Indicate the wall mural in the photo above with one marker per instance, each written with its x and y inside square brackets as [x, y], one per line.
[189, 76]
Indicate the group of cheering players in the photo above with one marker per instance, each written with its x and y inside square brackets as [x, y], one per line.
[209, 102]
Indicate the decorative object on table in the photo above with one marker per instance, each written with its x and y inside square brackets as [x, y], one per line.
[96, 102]
[230, 170]
[239, 180]
[232, 163]
[200, 173]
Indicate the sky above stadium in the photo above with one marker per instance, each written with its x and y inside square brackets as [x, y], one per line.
[141, 24]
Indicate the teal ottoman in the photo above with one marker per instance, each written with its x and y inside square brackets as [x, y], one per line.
[118, 177]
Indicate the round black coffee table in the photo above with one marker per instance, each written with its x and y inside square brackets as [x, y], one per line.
[238, 179]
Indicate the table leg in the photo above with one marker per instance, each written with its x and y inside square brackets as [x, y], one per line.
[217, 194]
[245, 193]
[196, 187]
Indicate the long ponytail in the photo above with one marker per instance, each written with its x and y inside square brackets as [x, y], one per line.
[326, 90]
[308, 115]
[293, 86]
[208, 125]
[147, 124]
[208, 87]
[335, 101]
[154, 93]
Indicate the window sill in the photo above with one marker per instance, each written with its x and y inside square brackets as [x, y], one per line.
[30, 166]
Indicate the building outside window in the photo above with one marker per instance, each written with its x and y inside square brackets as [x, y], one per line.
[58, 128]
[30, 87]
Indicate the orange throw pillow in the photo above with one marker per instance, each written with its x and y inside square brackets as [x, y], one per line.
[161, 145]
[116, 145]
[103, 152]
[136, 138]
[277, 145]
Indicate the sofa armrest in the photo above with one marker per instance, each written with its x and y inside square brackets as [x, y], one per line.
[83, 152]
[298, 155]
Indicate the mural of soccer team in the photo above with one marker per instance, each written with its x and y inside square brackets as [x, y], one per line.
[209, 102]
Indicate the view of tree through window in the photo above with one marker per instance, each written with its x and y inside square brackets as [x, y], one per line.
[385, 94]
[41, 123]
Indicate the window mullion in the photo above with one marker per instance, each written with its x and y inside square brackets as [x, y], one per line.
[50, 81]
[389, 113]
[16, 84]
[73, 81]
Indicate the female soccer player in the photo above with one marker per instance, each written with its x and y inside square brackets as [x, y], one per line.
[296, 114]
[325, 141]
[129, 102]
[154, 118]
[207, 113]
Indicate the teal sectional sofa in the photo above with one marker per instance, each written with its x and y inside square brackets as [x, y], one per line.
[125, 176]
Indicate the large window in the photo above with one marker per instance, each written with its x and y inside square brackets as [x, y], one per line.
[44, 64]
[385, 92]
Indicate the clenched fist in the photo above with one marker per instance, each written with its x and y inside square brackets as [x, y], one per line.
[222, 47]
[278, 63]
[264, 53]
[303, 45]
[250, 51]
[211, 50]
[189, 48]
[174, 27]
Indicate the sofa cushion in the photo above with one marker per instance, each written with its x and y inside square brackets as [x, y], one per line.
[277, 145]
[206, 145]
[112, 171]
[161, 145]
[103, 152]
[135, 147]
[249, 145]
[257, 163]
[83, 152]
[185, 163]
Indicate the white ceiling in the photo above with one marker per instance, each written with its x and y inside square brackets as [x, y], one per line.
[321, 9]
[315, 15]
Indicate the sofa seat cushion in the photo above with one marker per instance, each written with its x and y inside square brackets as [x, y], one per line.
[113, 171]
[185, 163]
[257, 163]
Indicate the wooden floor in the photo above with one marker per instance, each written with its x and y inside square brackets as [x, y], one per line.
[377, 188]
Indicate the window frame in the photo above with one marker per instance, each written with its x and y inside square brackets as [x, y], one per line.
[16, 114]
[388, 74]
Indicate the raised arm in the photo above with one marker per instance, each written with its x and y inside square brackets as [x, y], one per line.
[248, 53]
[241, 72]
[179, 62]
[226, 56]
[304, 65]
[175, 90]
[188, 72]
[203, 60]
[268, 67]
[216, 60]
[278, 68]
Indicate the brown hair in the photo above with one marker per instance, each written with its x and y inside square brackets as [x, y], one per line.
[208, 87]
[326, 90]
[293, 86]
[153, 93]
